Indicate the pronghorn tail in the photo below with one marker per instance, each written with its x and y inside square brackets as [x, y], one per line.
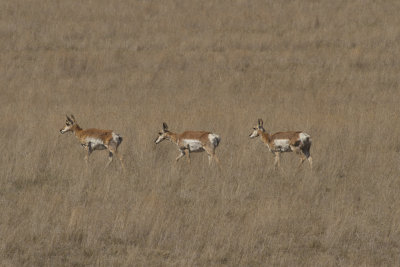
[120, 139]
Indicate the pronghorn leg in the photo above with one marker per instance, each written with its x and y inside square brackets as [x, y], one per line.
[302, 159]
[110, 158]
[216, 158]
[211, 155]
[306, 152]
[303, 153]
[188, 155]
[113, 151]
[209, 159]
[88, 152]
[277, 161]
[120, 159]
[310, 161]
[180, 155]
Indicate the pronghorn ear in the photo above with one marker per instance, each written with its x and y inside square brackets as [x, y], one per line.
[165, 126]
[73, 118]
[260, 122]
[68, 118]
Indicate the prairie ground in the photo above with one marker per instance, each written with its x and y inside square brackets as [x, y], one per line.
[329, 68]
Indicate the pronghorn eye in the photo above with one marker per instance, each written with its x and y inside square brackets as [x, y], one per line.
[160, 133]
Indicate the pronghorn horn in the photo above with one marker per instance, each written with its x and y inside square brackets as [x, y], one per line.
[260, 122]
[165, 126]
[73, 118]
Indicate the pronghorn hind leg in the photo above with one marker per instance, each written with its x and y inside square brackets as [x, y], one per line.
[110, 159]
[306, 153]
[120, 160]
[299, 152]
[216, 158]
[302, 159]
[310, 161]
[113, 151]
[302, 155]
[209, 159]
[211, 155]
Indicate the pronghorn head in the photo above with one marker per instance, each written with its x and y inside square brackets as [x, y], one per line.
[69, 124]
[164, 134]
[257, 130]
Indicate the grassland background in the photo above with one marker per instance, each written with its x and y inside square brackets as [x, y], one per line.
[330, 68]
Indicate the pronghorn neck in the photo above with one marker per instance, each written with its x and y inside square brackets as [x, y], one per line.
[265, 137]
[77, 130]
[173, 137]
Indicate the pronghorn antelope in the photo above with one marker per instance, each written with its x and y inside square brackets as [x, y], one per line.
[280, 142]
[95, 139]
[191, 141]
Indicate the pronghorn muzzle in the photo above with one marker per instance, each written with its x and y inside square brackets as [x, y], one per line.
[253, 134]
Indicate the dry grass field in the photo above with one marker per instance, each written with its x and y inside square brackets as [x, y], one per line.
[329, 68]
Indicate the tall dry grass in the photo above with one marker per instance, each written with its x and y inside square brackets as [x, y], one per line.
[330, 68]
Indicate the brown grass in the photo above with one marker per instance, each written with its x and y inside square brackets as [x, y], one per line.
[330, 68]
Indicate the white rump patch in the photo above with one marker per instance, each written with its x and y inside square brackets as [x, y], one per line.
[303, 137]
[282, 145]
[214, 139]
[115, 137]
[193, 144]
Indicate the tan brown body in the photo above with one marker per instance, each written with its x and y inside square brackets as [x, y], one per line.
[291, 141]
[192, 141]
[94, 139]
[82, 135]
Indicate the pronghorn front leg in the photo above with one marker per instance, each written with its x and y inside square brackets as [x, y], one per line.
[180, 155]
[188, 155]
[88, 149]
[277, 163]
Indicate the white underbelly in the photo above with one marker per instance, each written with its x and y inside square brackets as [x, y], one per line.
[95, 144]
[282, 145]
[193, 145]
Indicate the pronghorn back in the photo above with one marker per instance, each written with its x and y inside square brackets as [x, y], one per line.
[194, 135]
